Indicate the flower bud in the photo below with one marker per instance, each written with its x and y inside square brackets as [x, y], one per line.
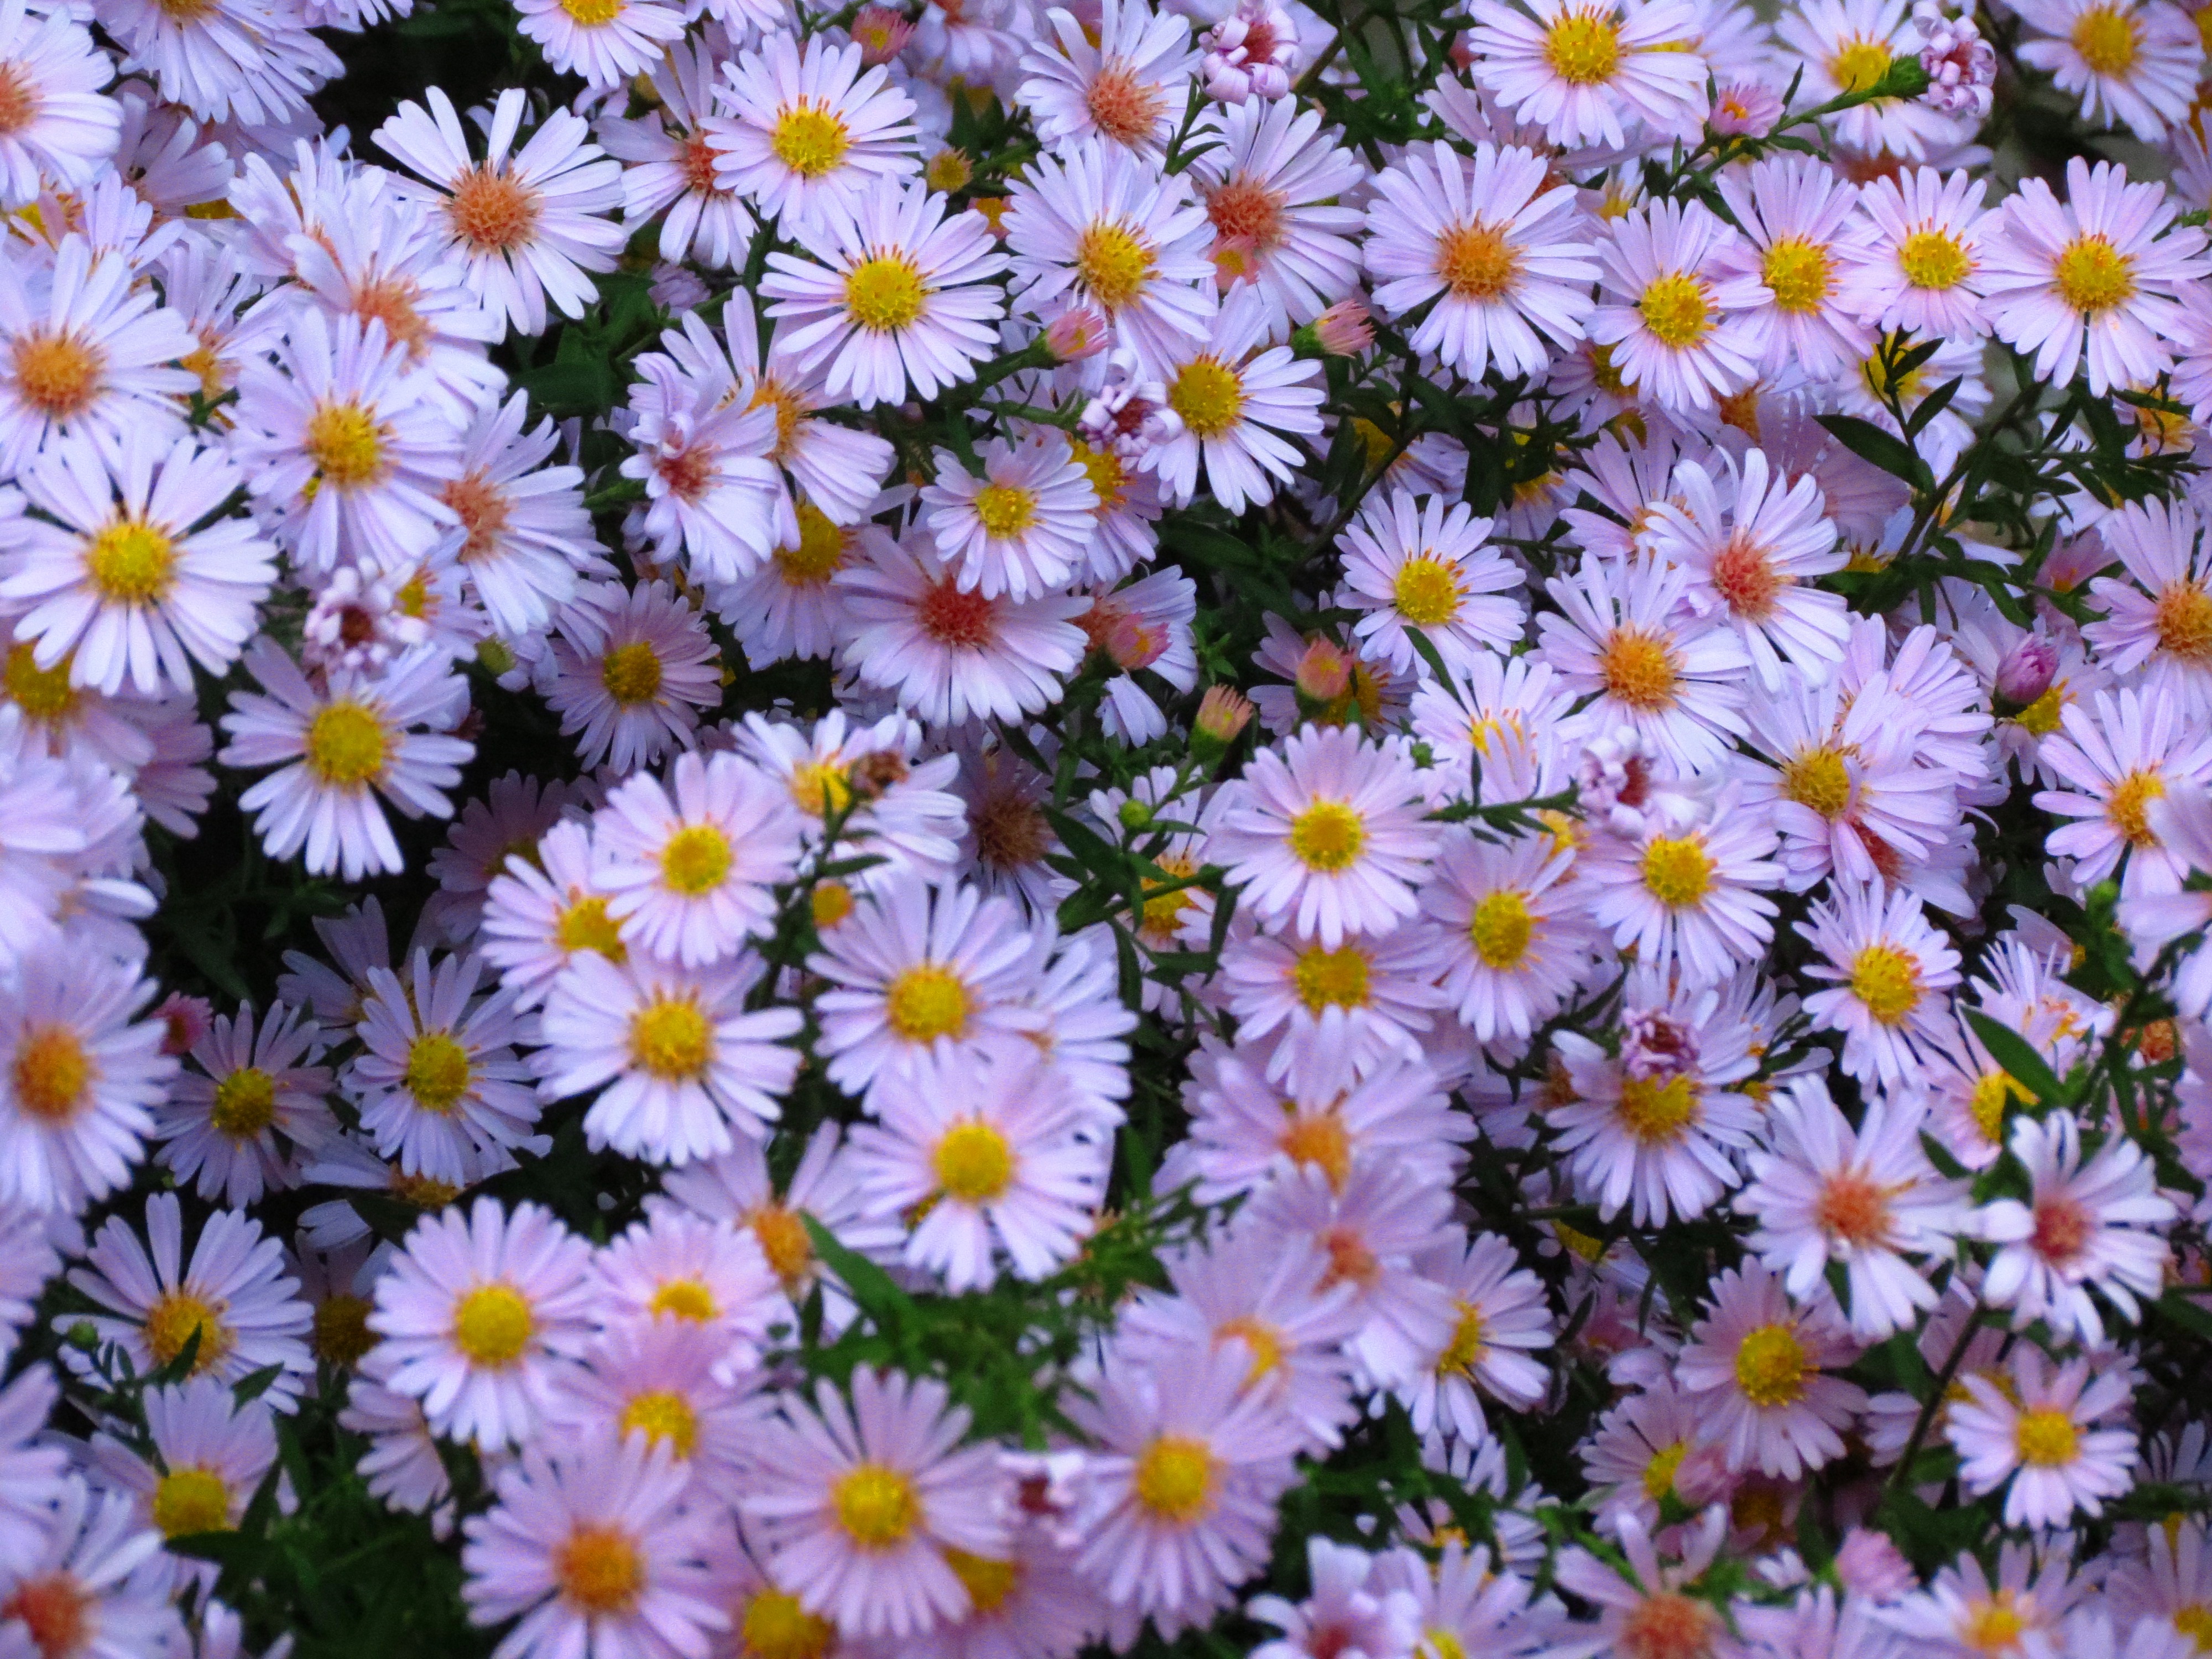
[1223, 715]
[1342, 331]
[1135, 815]
[83, 1336]
[948, 170]
[881, 32]
[185, 1020]
[2026, 673]
[1324, 677]
[1078, 333]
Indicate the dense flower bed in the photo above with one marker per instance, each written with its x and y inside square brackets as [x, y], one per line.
[989, 829]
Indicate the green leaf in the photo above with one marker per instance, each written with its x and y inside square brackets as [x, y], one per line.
[1871, 444]
[2021, 1063]
[887, 1306]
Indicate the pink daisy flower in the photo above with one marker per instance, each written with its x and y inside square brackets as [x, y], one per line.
[1756, 1365]
[2035, 1432]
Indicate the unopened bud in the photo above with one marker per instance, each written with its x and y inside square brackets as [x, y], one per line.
[1133, 645]
[497, 656]
[1135, 815]
[83, 1337]
[2026, 673]
[881, 32]
[185, 1020]
[1223, 715]
[1324, 678]
[1076, 333]
[1344, 330]
[948, 170]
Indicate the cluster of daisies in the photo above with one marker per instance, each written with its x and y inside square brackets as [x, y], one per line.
[1468, 677]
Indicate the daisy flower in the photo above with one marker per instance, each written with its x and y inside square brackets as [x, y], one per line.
[1342, 1012]
[899, 294]
[683, 1063]
[340, 748]
[950, 656]
[608, 42]
[920, 970]
[1889, 975]
[116, 583]
[986, 1159]
[632, 668]
[60, 125]
[1019, 527]
[789, 609]
[1645, 1605]
[2124, 751]
[1502, 1315]
[1100, 224]
[855, 1505]
[1919, 268]
[1521, 931]
[1489, 248]
[524, 534]
[438, 1082]
[81, 1589]
[1801, 225]
[1756, 1364]
[81, 1077]
[1655, 1140]
[2108, 268]
[1238, 404]
[1431, 566]
[677, 1268]
[256, 1097]
[546, 910]
[83, 350]
[1349, 1610]
[1624, 637]
[2133, 64]
[806, 125]
[1123, 79]
[2040, 1437]
[1674, 320]
[1271, 183]
[713, 495]
[1587, 70]
[1328, 834]
[1755, 560]
[598, 1551]
[1178, 1506]
[243, 61]
[474, 1312]
[2163, 615]
[661, 1384]
[2090, 1222]
[1846, 46]
[1822, 1191]
[233, 1295]
[669, 155]
[345, 447]
[525, 225]
[1690, 896]
[690, 866]
[211, 1452]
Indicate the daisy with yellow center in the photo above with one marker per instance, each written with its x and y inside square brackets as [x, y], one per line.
[1887, 970]
[1237, 404]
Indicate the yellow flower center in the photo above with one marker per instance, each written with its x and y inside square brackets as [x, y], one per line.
[1112, 265]
[819, 788]
[52, 1074]
[988, 1582]
[696, 859]
[878, 1507]
[1427, 592]
[1638, 670]
[1993, 1092]
[347, 745]
[2127, 809]
[808, 141]
[2194, 1620]
[820, 553]
[2107, 38]
[2093, 275]
[1464, 1350]
[974, 1163]
[599, 1569]
[346, 445]
[492, 1325]
[1659, 1474]
[1175, 1479]
[1674, 309]
[585, 925]
[245, 1103]
[592, 14]
[831, 903]
[2046, 1439]
[1005, 510]
[1933, 259]
[631, 673]
[1476, 262]
[187, 1501]
[1322, 1140]
[2041, 716]
[783, 1240]
[1797, 273]
[1860, 66]
[438, 1071]
[1331, 979]
[927, 1002]
[1500, 928]
[1771, 1365]
[491, 212]
[130, 563]
[884, 294]
[342, 1336]
[687, 1299]
[2184, 619]
[1583, 48]
[1996, 1627]
[662, 1414]
[1888, 980]
[58, 375]
[1678, 872]
[173, 1319]
[1654, 1112]
[1208, 395]
[776, 1626]
[1818, 779]
[1327, 836]
[43, 694]
[670, 1039]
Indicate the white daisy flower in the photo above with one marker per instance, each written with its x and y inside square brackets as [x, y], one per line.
[804, 125]
[1756, 1368]
[2037, 1432]
[1019, 527]
[2126, 749]
[123, 586]
[1502, 1315]
[257, 1097]
[1125, 78]
[608, 42]
[2134, 64]
[1675, 320]
[248, 61]
[58, 123]
[1520, 935]
[669, 155]
[1840, 47]
[1889, 975]
[1692, 897]
[1238, 405]
[1271, 183]
[632, 668]
[1428, 565]
[1801, 227]
[1586, 71]
[1920, 269]
[524, 534]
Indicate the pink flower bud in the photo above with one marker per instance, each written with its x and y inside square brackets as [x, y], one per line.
[881, 32]
[1078, 333]
[1745, 109]
[185, 1020]
[1343, 329]
[1324, 675]
[1133, 644]
[1870, 1565]
[2027, 672]
[1223, 715]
